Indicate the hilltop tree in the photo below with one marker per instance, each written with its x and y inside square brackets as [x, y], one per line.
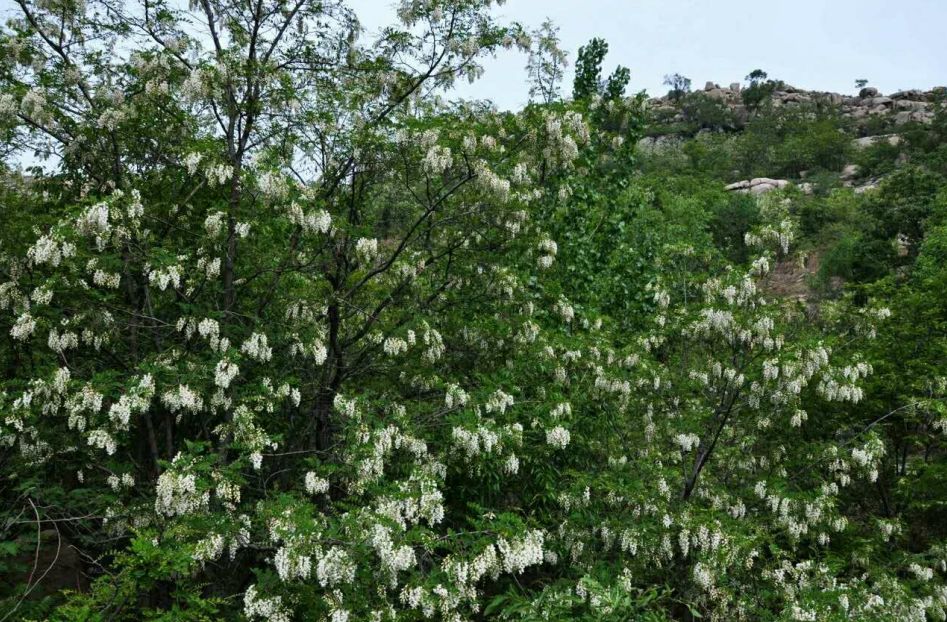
[679, 86]
[758, 90]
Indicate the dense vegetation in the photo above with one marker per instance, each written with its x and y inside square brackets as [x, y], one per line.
[289, 334]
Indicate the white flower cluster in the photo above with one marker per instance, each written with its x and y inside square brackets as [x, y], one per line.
[94, 221]
[24, 326]
[687, 442]
[868, 457]
[437, 160]
[393, 559]
[256, 347]
[316, 485]
[563, 136]
[191, 161]
[209, 548]
[8, 105]
[420, 498]
[366, 249]
[49, 250]
[561, 410]
[455, 396]
[473, 443]
[162, 278]
[845, 389]
[291, 564]
[103, 440]
[272, 184]
[921, 572]
[345, 406]
[250, 434]
[547, 249]
[703, 576]
[136, 401]
[434, 342]
[208, 329]
[395, 345]
[88, 400]
[519, 554]
[225, 372]
[315, 222]
[110, 280]
[498, 403]
[116, 483]
[558, 437]
[214, 223]
[197, 85]
[182, 398]
[210, 267]
[177, 494]
[529, 332]
[42, 295]
[269, 609]
[781, 236]
[60, 342]
[335, 567]
[565, 310]
[219, 174]
[34, 105]
[492, 183]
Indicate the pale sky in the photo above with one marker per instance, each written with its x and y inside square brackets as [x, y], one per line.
[813, 44]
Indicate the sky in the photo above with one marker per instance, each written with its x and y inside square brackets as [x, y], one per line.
[813, 44]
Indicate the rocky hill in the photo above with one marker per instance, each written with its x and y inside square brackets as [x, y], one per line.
[870, 119]
[901, 107]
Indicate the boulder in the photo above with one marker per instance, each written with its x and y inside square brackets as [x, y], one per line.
[911, 95]
[710, 86]
[905, 116]
[849, 172]
[863, 143]
[656, 144]
[763, 188]
[910, 104]
[795, 98]
[735, 87]
[868, 92]
[759, 185]
[740, 185]
[881, 101]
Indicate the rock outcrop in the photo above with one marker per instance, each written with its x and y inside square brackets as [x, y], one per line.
[760, 185]
[901, 107]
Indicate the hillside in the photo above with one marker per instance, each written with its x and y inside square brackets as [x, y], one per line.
[287, 332]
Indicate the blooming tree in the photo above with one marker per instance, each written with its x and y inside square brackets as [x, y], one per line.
[286, 328]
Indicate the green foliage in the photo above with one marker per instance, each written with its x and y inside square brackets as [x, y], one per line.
[758, 89]
[287, 336]
[679, 85]
[782, 142]
[588, 81]
[703, 112]
[588, 69]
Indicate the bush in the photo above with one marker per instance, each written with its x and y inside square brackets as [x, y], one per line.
[703, 112]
